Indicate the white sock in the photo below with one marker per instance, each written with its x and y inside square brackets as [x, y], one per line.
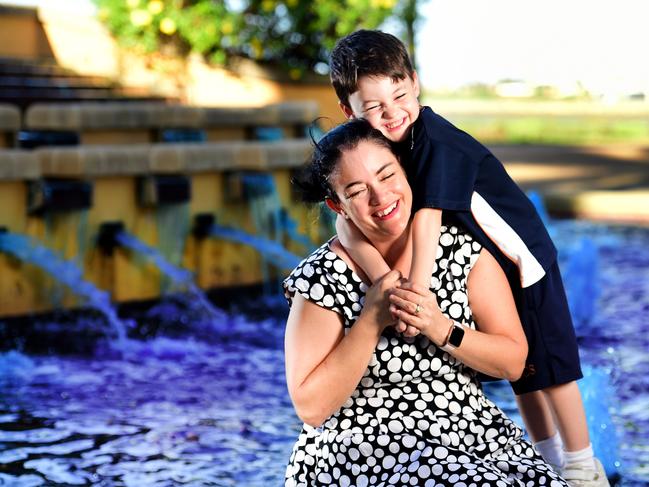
[551, 449]
[581, 458]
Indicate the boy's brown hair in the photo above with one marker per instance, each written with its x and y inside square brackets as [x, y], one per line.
[367, 53]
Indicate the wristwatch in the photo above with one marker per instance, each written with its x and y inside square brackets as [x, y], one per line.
[454, 338]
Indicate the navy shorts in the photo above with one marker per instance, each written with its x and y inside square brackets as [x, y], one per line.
[553, 356]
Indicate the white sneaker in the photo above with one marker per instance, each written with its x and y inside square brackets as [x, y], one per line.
[583, 477]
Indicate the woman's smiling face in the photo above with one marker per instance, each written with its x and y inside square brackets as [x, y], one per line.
[373, 191]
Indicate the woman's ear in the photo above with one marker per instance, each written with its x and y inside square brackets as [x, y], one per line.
[335, 207]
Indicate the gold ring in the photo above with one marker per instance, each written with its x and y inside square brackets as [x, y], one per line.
[418, 309]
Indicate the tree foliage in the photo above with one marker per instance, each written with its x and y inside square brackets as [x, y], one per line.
[294, 34]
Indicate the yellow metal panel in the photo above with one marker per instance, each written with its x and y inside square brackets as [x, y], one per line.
[13, 202]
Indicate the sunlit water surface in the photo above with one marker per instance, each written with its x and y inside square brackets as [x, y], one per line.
[208, 406]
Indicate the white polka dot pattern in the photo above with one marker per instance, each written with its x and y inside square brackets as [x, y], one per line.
[418, 416]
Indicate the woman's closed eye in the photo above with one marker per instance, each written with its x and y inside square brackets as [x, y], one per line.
[356, 193]
[387, 176]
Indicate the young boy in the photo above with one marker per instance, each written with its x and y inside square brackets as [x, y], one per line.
[450, 171]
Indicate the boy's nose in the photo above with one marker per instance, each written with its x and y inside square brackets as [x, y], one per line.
[388, 111]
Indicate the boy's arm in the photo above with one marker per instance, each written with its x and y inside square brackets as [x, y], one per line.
[425, 236]
[361, 250]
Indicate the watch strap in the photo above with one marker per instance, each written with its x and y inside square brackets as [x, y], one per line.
[454, 337]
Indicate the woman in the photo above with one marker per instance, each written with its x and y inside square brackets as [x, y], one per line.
[381, 408]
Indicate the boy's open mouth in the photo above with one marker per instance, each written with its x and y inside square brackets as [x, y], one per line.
[395, 125]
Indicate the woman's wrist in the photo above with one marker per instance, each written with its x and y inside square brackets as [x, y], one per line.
[443, 331]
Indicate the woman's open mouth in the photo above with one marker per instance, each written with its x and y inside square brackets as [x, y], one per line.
[387, 212]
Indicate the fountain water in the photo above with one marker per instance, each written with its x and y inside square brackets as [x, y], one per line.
[181, 280]
[64, 271]
[580, 272]
[270, 218]
[188, 409]
[269, 249]
[272, 225]
[171, 410]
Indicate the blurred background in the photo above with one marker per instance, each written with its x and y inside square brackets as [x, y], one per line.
[147, 217]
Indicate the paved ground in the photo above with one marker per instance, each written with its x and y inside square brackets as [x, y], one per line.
[608, 183]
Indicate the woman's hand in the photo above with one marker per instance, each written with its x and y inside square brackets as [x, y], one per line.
[417, 308]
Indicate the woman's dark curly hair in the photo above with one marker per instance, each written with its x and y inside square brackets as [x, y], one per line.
[312, 180]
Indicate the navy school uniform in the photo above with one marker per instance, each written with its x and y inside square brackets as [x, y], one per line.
[450, 170]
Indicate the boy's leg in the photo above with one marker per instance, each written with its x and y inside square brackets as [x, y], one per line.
[540, 425]
[553, 367]
[536, 415]
[568, 409]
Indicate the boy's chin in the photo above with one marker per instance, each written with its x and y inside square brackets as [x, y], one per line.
[396, 136]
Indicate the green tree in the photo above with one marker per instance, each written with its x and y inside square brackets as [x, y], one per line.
[296, 35]
[408, 18]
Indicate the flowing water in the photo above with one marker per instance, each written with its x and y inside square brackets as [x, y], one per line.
[204, 403]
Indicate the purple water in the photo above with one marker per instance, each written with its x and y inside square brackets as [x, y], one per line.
[208, 406]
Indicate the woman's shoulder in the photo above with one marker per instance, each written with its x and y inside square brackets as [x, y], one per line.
[326, 278]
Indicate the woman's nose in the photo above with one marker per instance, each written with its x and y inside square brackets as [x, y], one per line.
[377, 196]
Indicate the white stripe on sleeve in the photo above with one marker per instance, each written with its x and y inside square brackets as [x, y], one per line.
[509, 242]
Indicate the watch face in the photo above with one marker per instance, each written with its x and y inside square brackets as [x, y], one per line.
[456, 336]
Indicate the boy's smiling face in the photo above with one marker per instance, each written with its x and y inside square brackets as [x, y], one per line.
[388, 106]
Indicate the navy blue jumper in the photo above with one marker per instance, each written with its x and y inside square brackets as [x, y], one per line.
[450, 170]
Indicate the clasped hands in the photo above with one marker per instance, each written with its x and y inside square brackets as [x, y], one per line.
[413, 308]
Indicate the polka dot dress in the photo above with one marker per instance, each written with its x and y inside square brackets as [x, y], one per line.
[418, 417]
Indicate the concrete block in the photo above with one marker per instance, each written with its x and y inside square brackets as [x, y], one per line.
[288, 153]
[9, 117]
[240, 117]
[251, 155]
[53, 116]
[297, 112]
[94, 160]
[18, 165]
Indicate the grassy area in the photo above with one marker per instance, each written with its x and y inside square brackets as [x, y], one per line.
[539, 122]
[553, 130]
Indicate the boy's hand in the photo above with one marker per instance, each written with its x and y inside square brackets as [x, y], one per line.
[400, 326]
[377, 299]
[407, 330]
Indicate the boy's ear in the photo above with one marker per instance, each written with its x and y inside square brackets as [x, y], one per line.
[415, 83]
[349, 113]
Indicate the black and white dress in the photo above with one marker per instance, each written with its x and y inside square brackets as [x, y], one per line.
[418, 417]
